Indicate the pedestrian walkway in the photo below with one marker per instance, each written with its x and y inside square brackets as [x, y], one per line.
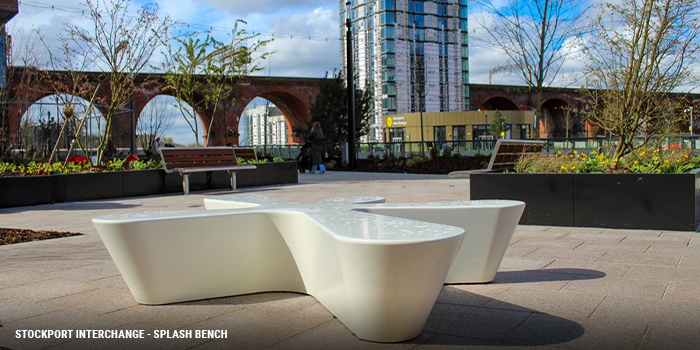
[557, 288]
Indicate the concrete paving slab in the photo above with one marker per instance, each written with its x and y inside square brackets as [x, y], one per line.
[643, 288]
[604, 334]
[617, 270]
[662, 273]
[569, 305]
[614, 248]
[614, 289]
[470, 295]
[552, 253]
[667, 313]
[262, 326]
[683, 291]
[670, 260]
[675, 241]
[659, 337]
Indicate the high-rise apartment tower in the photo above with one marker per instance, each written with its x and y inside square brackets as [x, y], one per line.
[413, 54]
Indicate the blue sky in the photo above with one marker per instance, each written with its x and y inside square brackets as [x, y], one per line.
[305, 32]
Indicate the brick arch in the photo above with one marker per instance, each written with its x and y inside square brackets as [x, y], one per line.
[294, 96]
[502, 103]
[292, 100]
[140, 103]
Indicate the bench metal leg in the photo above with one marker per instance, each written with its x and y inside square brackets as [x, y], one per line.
[186, 183]
[233, 180]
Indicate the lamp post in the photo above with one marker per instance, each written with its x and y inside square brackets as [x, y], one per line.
[690, 109]
[351, 89]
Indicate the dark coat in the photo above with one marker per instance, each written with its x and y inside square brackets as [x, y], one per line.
[316, 139]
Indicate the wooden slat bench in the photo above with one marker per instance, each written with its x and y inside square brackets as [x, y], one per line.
[185, 161]
[505, 155]
[247, 153]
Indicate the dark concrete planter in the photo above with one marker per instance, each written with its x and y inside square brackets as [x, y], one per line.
[32, 190]
[633, 201]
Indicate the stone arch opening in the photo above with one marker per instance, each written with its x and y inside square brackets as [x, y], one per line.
[263, 124]
[172, 120]
[500, 103]
[556, 118]
[41, 125]
[294, 108]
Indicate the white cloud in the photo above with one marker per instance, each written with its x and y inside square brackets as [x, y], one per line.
[245, 7]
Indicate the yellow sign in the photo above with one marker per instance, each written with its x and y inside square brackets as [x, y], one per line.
[395, 121]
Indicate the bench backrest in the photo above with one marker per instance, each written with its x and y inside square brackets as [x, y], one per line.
[506, 153]
[197, 157]
[246, 153]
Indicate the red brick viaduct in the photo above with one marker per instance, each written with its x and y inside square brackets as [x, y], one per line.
[293, 96]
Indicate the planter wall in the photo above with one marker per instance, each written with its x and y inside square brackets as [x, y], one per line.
[32, 190]
[633, 201]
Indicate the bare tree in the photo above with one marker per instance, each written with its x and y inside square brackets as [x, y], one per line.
[122, 44]
[72, 88]
[23, 54]
[641, 52]
[534, 35]
[153, 123]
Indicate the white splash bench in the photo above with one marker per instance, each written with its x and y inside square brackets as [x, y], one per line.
[378, 274]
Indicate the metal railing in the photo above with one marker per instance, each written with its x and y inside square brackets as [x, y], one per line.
[482, 147]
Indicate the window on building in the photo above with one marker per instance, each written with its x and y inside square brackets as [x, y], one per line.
[389, 103]
[523, 132]
[418, 7]
[481, 132]
[389, 75]
[388, 32]
[388, 46]
[388, 18]
[388, 5]
[397, 134]
[389, 89]
[389, 61]
[419, 21]
[463, 12]
[440, 136]
[463, 25]
[459, 136]
[459, 133]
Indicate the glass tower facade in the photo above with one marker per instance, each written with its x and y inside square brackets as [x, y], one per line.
[414, 55]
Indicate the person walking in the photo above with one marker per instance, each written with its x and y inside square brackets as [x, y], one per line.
[316, 139]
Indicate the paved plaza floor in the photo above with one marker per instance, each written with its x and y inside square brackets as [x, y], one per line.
[557, 288]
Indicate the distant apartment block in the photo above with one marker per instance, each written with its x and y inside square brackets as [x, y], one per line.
[265, 122]
[413, 54]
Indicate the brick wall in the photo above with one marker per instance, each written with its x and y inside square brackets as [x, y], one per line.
[8, 8]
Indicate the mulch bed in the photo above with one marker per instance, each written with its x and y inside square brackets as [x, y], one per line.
[13, 235]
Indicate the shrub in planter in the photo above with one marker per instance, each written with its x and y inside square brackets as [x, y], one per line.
[641, 161]
[434, 152]
[447, 152]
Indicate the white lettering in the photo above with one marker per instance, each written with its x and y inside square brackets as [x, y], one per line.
[211, 334]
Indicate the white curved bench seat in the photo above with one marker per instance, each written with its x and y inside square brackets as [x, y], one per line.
[489, 224]
[379, 275]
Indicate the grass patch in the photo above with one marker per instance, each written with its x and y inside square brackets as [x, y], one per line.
[15, 235]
